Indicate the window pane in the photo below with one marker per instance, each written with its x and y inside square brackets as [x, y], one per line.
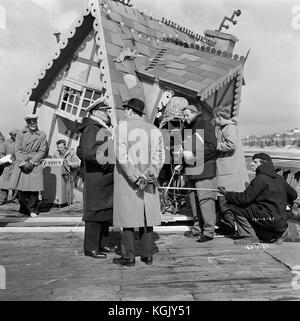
[74, 111]
[77, 99]
[88, 94]
[63, 106]
[86, 103]
[71, 99]
[83, 113]
[97, 95]
[69, 107]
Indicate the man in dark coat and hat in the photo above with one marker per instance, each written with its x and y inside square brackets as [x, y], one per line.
[98, 179]
[260, 211]
[200, 172]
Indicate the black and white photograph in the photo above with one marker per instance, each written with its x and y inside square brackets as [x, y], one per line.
[149, 153]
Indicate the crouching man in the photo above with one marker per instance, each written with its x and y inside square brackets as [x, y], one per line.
[260, 211]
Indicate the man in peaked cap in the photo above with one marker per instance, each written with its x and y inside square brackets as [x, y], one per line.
[7, 148]
[140, 157]
[31, 149]
[260, 211]
[97, 174]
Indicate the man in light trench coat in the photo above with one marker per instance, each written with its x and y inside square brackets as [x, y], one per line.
[140, 157]
[31, 149]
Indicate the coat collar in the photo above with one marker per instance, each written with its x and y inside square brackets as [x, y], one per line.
[27, 130]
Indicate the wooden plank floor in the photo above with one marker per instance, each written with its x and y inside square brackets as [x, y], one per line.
[53, 267]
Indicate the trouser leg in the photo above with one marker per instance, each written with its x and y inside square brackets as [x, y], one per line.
[244, 227]
[226, 216]
[146, 238]
[3, 196]
[196, 210]
[104, 235]
[128, 243]
[92, 236]
[33, 200]
[208, 213]
[23, 200]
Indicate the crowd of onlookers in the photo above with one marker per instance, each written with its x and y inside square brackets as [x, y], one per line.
[21, 168]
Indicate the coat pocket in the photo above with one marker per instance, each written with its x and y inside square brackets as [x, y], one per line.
[225, 166]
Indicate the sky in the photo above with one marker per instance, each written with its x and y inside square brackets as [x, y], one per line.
[270, 29]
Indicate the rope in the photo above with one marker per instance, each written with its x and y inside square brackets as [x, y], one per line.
[190, 189]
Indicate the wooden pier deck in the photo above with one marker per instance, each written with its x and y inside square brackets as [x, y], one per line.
[52, 267]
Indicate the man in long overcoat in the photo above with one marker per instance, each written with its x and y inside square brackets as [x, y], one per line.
[140, 157]
[98, 179]
[7, 148]
[31, 149]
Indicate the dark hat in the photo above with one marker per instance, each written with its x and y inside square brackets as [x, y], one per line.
[262, 156]
[135, 104]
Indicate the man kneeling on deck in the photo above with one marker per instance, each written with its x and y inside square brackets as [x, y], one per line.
[260, 211]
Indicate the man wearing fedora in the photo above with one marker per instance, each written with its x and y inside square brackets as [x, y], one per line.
[31, 149]
[140, 157]
[7, 148]
[97, 174]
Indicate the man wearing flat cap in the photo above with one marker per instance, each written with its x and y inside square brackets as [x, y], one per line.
[97, 174]
[31, 149]
[260, 211]
[200, 172]
[140, 157]
[6, 183]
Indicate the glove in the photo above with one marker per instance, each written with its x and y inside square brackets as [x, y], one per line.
[142, 183]
[150, 177]
[222, 190]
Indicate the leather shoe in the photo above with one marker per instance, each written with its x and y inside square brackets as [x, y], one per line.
[147, 260]
[191, 234]
[204, 238]
[123, 261]
[95, 254]
[108, 249]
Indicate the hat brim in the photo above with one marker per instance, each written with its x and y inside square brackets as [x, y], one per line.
[127, 106]
[97, 102]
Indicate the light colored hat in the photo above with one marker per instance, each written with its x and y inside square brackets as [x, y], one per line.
[13, 131]
[100, 103]
[31, 116]
[191, 108]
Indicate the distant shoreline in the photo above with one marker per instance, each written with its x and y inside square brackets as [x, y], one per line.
[293, 152]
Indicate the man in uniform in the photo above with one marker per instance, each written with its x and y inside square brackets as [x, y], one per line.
[31, 149]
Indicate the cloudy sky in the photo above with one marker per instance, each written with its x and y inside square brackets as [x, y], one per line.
[270, 29]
